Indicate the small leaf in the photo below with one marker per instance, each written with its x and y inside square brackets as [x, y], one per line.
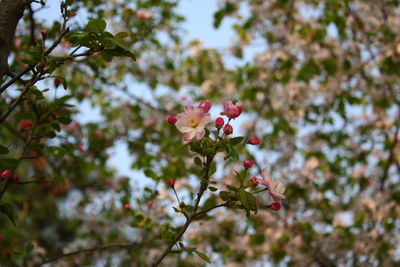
[197, 161]
[236, 140]
[7, 209]
[213, 189]
[226, 195]
[166, 235]
[96, 25]
[3, 150]
[202, 255]
[248, 201]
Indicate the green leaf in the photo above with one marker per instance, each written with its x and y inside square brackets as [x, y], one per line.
[96, 25]
[151, 174]
[7, 210]
[213, 169]
[226, 195]
[248, 201]
[3, 150]
[202, 255]
[213, 189]
[197, 161]
[166, 235]
[236, 140]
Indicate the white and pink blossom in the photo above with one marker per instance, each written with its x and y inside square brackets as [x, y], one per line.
[276, 189]
[191, 123]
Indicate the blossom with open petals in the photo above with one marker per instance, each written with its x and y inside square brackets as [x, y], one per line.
[231, 110]
[275, 188]
[191, 123]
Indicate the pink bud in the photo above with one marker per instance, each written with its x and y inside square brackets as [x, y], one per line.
[228, 129]
[149, 204]
[171, 182]
[205, 106]
[254, 181]
[172, 120]
[232, 111]
[219, 122]
[127, 206]
[25, 125]
[248, 163]
[254, 141]
[43, 33]
[275, 206]
[6, 174]
[57, 82]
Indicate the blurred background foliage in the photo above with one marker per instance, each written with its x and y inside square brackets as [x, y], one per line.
[321, 92]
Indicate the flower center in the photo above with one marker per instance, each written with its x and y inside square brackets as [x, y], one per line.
[193, 123]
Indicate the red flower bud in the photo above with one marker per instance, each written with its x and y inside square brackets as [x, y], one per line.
[25, 125]
[43, 33]
[57, 82]
[205, 106]
[127, 206]
[254, 181]
[1, 238]
[228, 129]
[6, 174]
[171, 182]
[149, 204]
[248, 163]
[254, 141]
[219, 122]
[275, 206]
[172, 119]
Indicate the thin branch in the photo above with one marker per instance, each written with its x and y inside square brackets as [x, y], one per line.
[226, 204]
[203, 188]
[99, 248]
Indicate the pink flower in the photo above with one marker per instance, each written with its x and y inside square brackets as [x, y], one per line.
[142, 14]
[171, 182]
[172, 120]
[232, 111]
[275, 206]
[219, 122]
[254, 141]
[149, 204]
[275, 188]
[228, 129]
[205, 106]
[248, 163]
[254, 181]
[25, 125]
[191, 123]
[127, 206]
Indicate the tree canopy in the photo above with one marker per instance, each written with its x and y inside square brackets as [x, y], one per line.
[288, 155]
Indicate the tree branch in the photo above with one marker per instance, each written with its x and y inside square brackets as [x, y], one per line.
[203, 187]
[99, 248]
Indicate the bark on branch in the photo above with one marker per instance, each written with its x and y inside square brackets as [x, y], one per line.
[11, 12]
